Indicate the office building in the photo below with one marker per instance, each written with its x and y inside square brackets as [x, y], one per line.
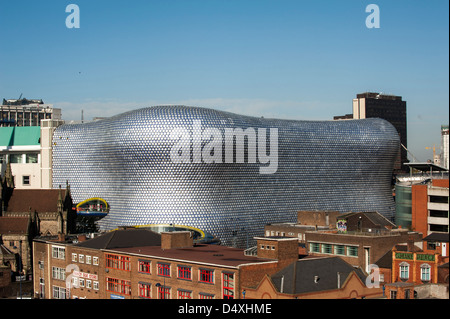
[133, 263]
[444, 146]
[389, 107]
[24, 112]
[28, 151]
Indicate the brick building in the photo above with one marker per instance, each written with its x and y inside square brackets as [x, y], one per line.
[315, 278]
[134, 263]
[429, 204]
[362, 246]
[415, 267]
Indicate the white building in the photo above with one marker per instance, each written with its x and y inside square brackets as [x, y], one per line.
[29, 150]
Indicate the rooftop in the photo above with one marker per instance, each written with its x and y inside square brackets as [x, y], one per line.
[39, 200]
[20, 136]
[439, 237]
[205, 254]
[13, 225]
[122, 238]
[314, 274]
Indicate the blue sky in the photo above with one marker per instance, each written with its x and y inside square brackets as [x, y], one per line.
[286, 59]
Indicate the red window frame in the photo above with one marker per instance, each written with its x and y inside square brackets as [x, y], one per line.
[164, 269]
[228, 285]
[184, 272]
[182, 294]
[205, 296]
[144, 266]
[206, 276]
[118, 262]
[163, 292]
[118, 286]
[145, 290]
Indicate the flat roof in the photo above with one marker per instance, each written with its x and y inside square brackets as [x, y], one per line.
[425, 167]
[205, 254]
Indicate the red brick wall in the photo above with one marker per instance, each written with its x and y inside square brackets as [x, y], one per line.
[419, 208]
[440, 182]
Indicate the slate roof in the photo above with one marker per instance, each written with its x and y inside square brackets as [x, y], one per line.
[40, 200]
[203, 253]
[14, 225]
[123, 238]
[299, 276]
[375, 217]
[439, 237]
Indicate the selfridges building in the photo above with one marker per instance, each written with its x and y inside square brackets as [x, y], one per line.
[226, 174]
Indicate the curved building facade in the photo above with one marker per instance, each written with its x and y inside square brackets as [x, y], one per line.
[224, 173]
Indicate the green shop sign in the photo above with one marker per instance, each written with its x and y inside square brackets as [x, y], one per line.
[404, 256]
[424, 257]
[410, 256]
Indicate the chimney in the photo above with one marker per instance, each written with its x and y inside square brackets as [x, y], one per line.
[61, 237]
[176, 239]
[410, 244]
[285, 249]
[81, 238]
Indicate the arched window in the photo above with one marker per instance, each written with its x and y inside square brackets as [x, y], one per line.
[425, 272]
[404, 270]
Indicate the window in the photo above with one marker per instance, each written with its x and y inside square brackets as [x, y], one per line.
[96, 285]
[59, 292]
[58, 273]
[81, 258]
[228, 286]
[31, 158]
[95, 261]
[393, 294]
[26, 180]
[118, 262]
[404, 270]
[58, 252]
[203, 295]
[425, 272]
[326, 249]
[88, 259]
[41, 264]
[15, 158]
[145, 290]
[339, 250]
[88, 284]
[352, 251]
[144, 266]
[184, 272]
[206, 276]
[74, 257]
[163, 292]
[118, 286]
[314, 247]
[164, 269]
[81, 282]
[407, 294]
[184, 294]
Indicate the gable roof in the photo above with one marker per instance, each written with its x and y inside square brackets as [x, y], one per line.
[39, 200]
[299, 277]
[123, 238]
[374, 217]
